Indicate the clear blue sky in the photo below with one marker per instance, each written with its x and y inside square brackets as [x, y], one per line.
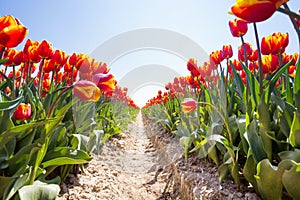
[81, 26]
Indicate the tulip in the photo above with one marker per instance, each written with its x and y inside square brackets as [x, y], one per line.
[15, 58]
[238, 27]
[86, 91]
[275, 43]
[106, 82]
[269, 64]
[45, 50]
[255, 10]
[227, 51]
[23, 112]
[188, 105]
[12, 32]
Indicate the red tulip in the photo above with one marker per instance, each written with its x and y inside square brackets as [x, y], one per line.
[188, 105]
[255, 10]
[22, 112]
[238, 27]
[86, 91]
[12, 32]
[227, 51]
[45, 50]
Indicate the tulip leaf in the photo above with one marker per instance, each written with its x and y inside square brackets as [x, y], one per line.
[64, 156]
[3, 60]
[9, 105]
[269, 178]
[290, 155]
[249, 170]
[290, 180]
[39, 190]
[5, 182]
[297, 86]
[7, 135]
[295, 131]
[254, 141]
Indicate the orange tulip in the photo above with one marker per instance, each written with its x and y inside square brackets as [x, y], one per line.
[59, 57]
[255, 10]
[188, 105]
[269, 64]
[15, 58]
[86, 91]
[238, 27]
[275, 43]
[22, 112]
[12, 32]
[106, 82]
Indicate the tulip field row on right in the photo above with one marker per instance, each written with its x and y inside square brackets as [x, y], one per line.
[241, 113]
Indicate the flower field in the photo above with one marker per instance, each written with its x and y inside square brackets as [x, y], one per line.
[242, 113]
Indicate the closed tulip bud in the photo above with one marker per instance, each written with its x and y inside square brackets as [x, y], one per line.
[188, 105]
[23, 112]
[45, 50]
[238, 27]
[86, 91]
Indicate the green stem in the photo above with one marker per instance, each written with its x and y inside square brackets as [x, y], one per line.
[13, 93]
[41, 78]
[259, 60]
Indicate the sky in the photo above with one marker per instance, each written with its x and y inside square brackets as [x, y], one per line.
[82, 26]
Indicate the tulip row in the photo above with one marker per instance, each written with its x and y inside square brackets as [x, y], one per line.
[242, 113]
[55, 110]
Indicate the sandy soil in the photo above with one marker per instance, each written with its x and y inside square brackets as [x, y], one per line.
[145, 163]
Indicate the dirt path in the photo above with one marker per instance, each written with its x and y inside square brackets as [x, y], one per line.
[126, 169]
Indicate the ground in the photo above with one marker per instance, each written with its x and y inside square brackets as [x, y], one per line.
[143, 164]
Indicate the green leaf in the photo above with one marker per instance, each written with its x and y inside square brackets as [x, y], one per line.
[39, 190]
[3, 60]
[290, 155]
[11, 133]
[254, 142]
[295, 131]
[19, 183]
[290, 180]
[297, 86]
[269, 179]
[64, 156]
[9, 105]
[5, 182]
[249, 170]
[223, 171]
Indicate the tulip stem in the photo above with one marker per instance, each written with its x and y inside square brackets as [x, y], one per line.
[288, 12]
[13, 82]
[259, 59]
[41, 78]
